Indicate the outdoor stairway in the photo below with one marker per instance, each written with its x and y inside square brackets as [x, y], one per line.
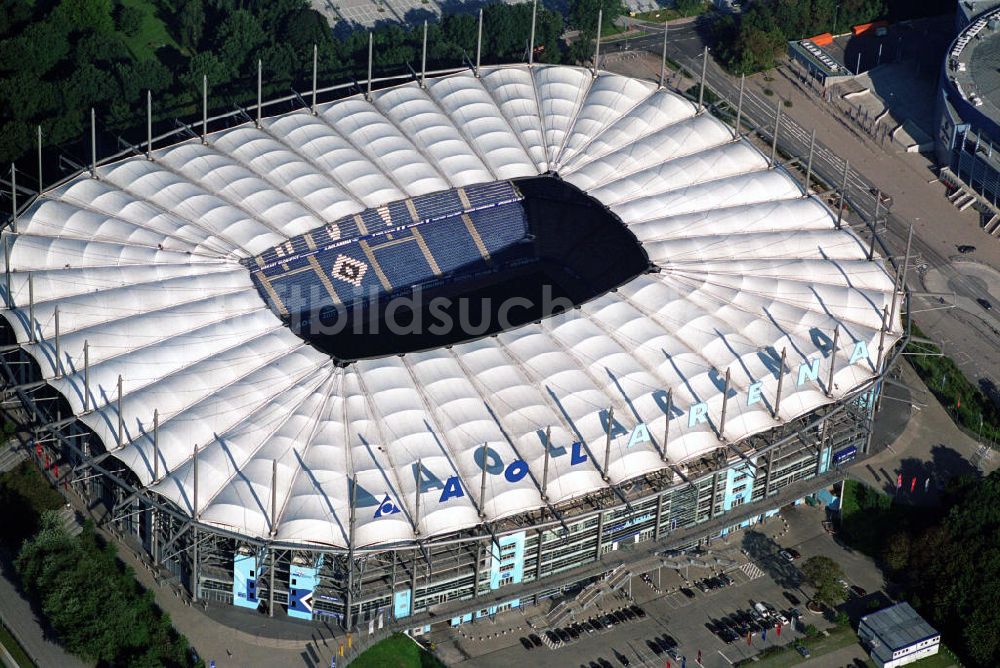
[590, 595]
[11, 456]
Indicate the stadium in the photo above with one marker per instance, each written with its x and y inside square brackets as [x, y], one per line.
[968, 109]
[442, 348]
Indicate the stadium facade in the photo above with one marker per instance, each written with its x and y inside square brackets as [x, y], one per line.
[185, 337]
[968, 106]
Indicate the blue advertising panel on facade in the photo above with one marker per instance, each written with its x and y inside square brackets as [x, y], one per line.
[401, 604]
[302, 581]
[245, 576]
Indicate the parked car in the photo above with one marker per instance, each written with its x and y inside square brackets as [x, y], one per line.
[526, 643]
[700, 584]
[640, 613]
[654, 645]
[687, 592]
[535, 640]
[803, 650]
[965, 248]
[728, 581]
[553, 637]
[860, 592]
[667, 641]
[674, 654]
[792, 598]
[985, 303]
[622, 659]
[563, 635]
[629, 615]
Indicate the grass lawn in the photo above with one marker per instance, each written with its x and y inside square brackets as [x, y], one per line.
[839, 637]
[14, 648]
[396, 651]
[153, 35]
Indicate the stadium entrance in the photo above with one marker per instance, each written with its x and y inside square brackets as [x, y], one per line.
[447, 267]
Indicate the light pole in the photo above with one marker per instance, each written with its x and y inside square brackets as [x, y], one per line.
[835, 10]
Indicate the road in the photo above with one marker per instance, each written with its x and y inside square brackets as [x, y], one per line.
[685, 44]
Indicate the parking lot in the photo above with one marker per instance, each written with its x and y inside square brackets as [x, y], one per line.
[686, 623]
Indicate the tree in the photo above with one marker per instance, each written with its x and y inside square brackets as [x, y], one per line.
[190, 23]
[825, 574]
[130, 20]
[583, 14]
[897, 552]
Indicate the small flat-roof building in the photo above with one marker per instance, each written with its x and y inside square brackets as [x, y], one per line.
[897, 636]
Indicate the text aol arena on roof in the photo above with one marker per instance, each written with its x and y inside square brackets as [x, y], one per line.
[492, 463]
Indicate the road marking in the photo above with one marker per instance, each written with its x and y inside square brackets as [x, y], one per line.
[725, 657]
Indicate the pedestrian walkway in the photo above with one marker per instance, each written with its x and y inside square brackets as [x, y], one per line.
[751, 570]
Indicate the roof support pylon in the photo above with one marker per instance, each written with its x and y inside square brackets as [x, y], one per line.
[479, 41]
[482, 485]
[274, 498]
[843, 190]
[663, 61]
[204, 109]
[13, 197]
[545, 466]
[597, 41]
[739, 107]
[900, 285]
[666, 425]
[31, 307]
[6, 269]
[607, 442]
[423, 59]
[781, 380]
[701, 85]
[55, 316]
[86, 376]
[315, 74]
[878, 210]
[156, 444]
[93, 143]
[260, 86]
[833, 360]
[149, 125]
[416, 500]
[809, 162]
[725, 405]
[368, 93]
[40, 187]
[531, 43]
[121, 416]
[774, 136]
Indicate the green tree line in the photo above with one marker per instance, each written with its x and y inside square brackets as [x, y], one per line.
[95, 606]
[58, 59]
[947, 561]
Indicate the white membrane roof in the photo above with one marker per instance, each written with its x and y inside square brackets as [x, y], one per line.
[143, 264]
